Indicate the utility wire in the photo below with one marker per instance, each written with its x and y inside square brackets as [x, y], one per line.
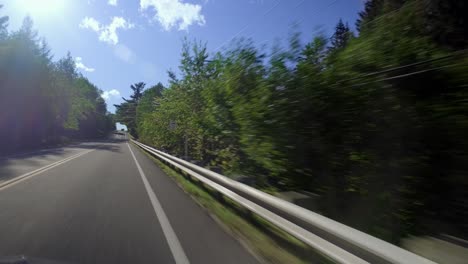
[316, 11]
[405, 66]
[248, 24]
[405, 75]
[388, 14]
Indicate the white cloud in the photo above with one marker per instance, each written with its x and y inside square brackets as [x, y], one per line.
[112, 2]
[106, 95]
[90, 23]
[107, 33]
[124, 53]
[79, 64]
[172, 13]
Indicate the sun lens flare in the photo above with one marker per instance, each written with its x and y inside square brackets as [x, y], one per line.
[42, 8]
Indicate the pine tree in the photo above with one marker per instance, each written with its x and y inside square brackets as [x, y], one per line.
[126, 112]
[341, 36]
[372, 9]
[3, 25]
[137, 89]
[446, 21]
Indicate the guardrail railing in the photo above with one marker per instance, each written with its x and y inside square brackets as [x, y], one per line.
[338, 242]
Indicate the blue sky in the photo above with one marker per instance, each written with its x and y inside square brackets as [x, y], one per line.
[119, 42]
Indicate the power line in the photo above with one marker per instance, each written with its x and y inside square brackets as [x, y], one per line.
[404, 66]
[266, 13]
[405, 75]
[316, 11]
[248, 24]
[296, 6]
[388, 14]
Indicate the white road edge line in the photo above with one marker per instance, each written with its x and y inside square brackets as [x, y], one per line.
[21, 178]
[174, 244]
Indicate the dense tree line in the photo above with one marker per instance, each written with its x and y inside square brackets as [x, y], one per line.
[375, 122]
[43, 102]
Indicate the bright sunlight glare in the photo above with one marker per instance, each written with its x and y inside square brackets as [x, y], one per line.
[41, 8]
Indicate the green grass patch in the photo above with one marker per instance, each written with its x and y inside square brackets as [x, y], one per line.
[265, 240]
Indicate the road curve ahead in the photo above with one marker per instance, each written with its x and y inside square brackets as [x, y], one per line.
[104, 202]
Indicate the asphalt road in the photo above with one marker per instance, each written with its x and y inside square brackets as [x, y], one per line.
[104, 202]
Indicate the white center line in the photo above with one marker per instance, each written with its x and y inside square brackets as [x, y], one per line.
[174, 244]
[18, 179]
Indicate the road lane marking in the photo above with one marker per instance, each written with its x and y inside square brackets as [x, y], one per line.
[174, 244]
[21, 178]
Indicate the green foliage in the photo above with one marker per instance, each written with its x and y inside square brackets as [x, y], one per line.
[375, 124]
[341, 36]
[126, 113]
[3, 25]
[447, 23]
[147, 105]
[372, 9]
[42, 101]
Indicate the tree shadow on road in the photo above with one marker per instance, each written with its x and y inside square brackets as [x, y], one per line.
[35, 159]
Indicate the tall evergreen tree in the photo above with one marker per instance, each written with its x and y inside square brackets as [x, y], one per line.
[447, 22]
[3, 25]
[126, 112]
[137, 89]
[341, 37]
[372, 9]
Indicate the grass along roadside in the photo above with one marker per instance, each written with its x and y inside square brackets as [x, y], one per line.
[268, 243]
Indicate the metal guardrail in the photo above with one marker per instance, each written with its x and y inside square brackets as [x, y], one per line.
[338, 242]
